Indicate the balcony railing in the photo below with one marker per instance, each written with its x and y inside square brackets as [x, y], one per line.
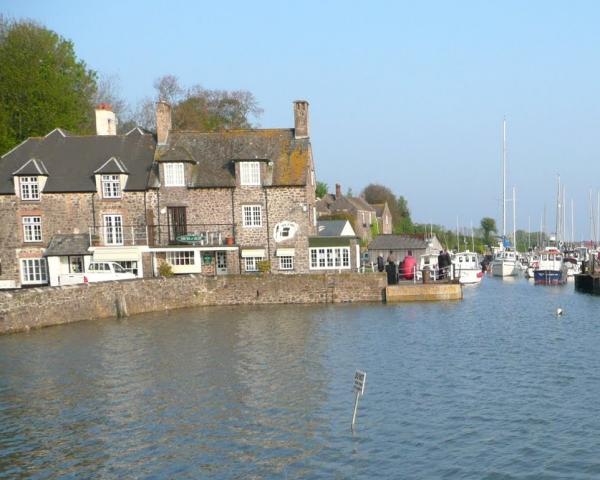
[200, 234]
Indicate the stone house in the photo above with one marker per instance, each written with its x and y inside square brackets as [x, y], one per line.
[363, 215]
[209, 203]
[235, 200]
[63, 195]
[384, 218]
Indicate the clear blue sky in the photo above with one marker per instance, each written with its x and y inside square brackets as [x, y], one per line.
[408, 94]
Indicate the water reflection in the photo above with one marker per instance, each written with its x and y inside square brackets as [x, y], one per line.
[494, 385]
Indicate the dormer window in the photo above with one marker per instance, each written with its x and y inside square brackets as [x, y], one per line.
[250, 173]
[174, 175]
[30, 188]
[111, 186]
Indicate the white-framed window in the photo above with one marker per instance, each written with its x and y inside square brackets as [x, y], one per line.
[111, 186]
[181, 257]
[32, 229]
[174, 175]
[250, 173]
[252, 215]
[113, 229]
[286, 263]
[30, 188]
[251, 263]
[33, 271]
[324, 258]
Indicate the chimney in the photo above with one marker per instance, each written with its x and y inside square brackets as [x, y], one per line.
[106, 120]
[163, 121]
[338, 191]
[301, 119]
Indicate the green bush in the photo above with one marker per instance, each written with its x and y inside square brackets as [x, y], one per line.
[264, 266]
[165, 269]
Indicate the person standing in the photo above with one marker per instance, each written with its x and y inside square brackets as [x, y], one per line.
[408, 266]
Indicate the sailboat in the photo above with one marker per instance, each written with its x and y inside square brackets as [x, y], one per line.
[505, 262]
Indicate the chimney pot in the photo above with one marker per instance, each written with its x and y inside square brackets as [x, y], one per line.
[338, 190]
[163, 121]
[301, 119]
[106, 120]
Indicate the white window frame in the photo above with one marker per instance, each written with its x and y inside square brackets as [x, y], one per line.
[174, 174]
[30, 188]
[34, 271]
[181, 257]
[251, 263]
[286, 263]
[111, 186]
[250, 173]
[113, 229]
[32, 229]
[329, 258]
[252, 216]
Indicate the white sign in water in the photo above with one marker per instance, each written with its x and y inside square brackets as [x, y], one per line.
[359, 382]
[359, 388]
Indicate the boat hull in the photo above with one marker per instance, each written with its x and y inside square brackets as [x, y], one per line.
[504, 269]
[549, 277]
[467, 277]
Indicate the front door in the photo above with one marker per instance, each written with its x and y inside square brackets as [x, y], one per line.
[177, 223]
[221, 263]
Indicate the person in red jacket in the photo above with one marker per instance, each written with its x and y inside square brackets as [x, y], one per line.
[409, 266]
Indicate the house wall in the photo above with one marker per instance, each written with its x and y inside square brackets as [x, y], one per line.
[61, 213]
[40, 307]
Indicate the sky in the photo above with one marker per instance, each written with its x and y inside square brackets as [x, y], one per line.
[411, 95]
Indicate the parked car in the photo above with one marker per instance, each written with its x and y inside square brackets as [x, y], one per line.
[97, 272]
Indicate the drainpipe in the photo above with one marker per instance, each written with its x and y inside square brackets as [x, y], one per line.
[268, 229]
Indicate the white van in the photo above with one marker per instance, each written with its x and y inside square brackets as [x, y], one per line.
[97, 272]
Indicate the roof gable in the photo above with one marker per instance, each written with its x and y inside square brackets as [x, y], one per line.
[31, 167]
[112, 165]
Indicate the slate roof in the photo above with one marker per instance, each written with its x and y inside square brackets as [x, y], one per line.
[214, 155]
[70, 161]
[331, 203]
[398, 242]
[112, 165]
[330, 228]
[75, 244]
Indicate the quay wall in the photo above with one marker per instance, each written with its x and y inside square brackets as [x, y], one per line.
[22, 310]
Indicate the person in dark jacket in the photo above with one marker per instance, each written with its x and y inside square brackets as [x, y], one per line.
[441, 264]
[380, 263]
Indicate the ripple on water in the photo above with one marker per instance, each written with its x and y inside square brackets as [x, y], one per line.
[491, 387]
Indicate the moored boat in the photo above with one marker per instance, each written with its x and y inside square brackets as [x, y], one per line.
[551, 270]
[505, 264]
[467, 267]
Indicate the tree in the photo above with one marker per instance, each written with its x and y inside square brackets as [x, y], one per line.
[375, 193]
[321, 189]
[488, 225]
[198, 108]
[42, 84]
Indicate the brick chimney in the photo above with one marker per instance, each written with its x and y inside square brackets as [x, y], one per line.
[106, 120]
[301, 119]
[338, 191]
[163, 121]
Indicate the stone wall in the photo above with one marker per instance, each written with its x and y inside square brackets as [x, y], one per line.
[39, 307]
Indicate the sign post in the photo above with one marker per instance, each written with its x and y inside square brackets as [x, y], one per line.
[359, 388]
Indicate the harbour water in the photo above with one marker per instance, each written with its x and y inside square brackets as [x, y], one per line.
[494, 386]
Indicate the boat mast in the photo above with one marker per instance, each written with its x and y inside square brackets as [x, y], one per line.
[572, 223]
[514, 201]
[529, 233]
[503, 179]
[558, 214]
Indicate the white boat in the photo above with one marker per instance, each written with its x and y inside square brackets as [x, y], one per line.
[467, 268]
[505, 264]
[428, 261]
[551, 270]
[532, 263]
